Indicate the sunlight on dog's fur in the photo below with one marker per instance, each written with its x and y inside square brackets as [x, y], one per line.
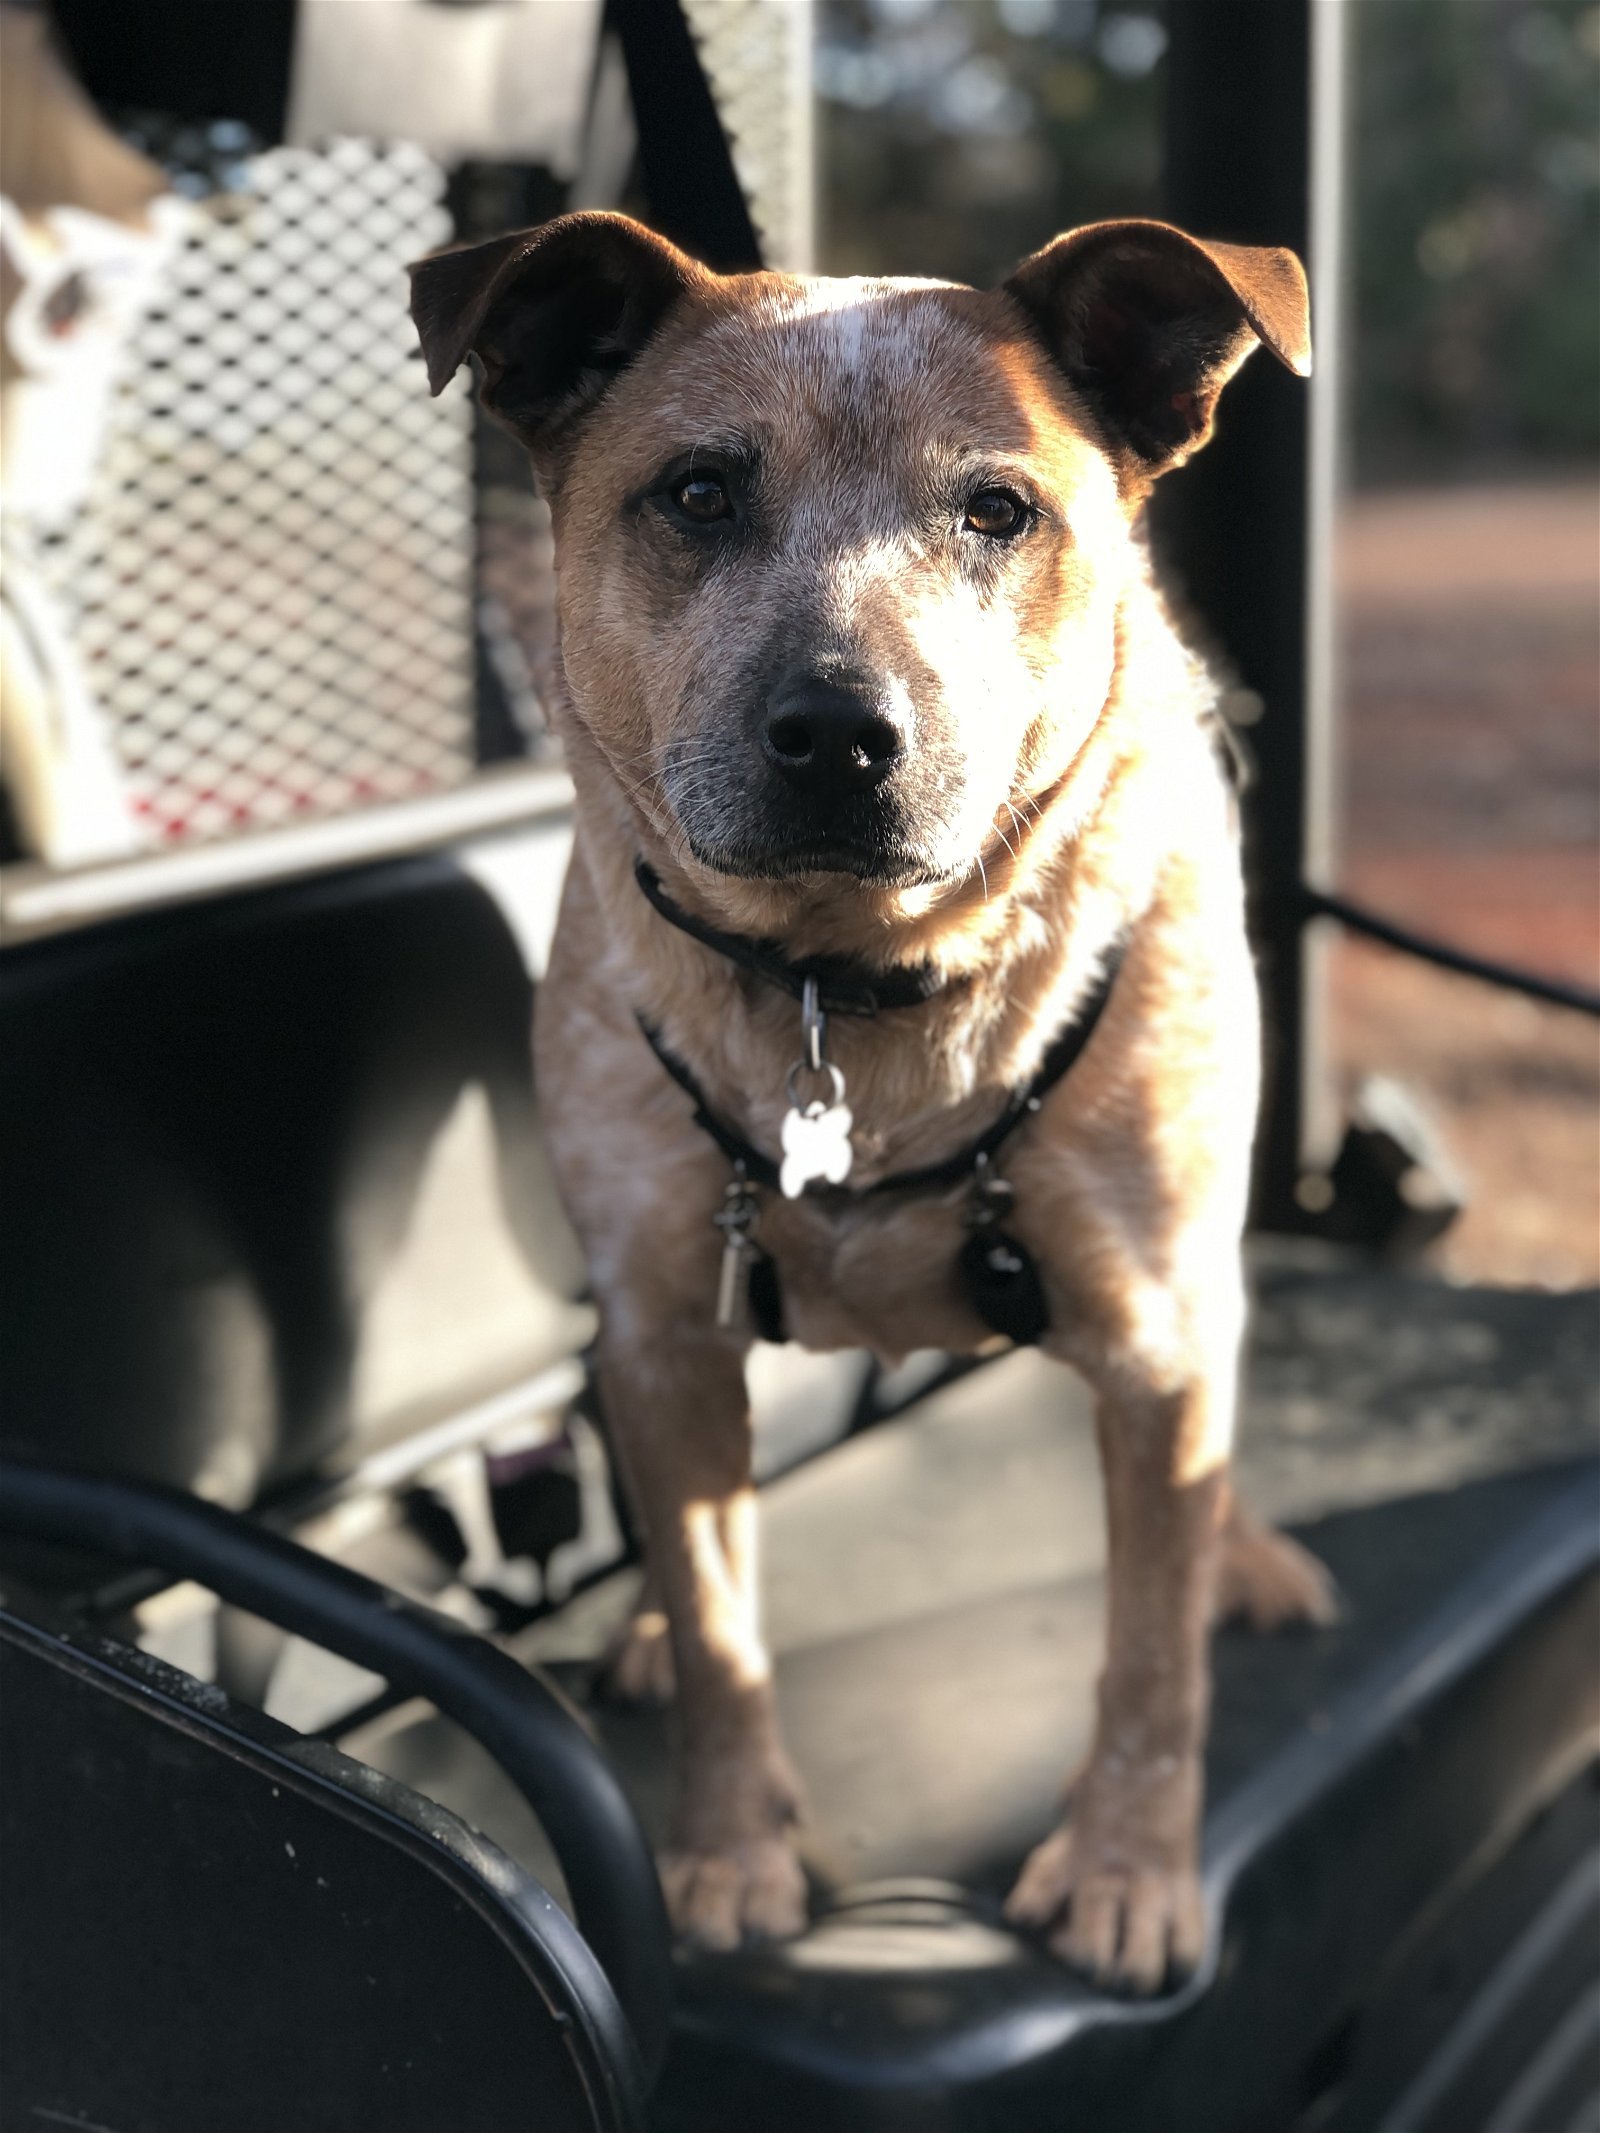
[863, 655]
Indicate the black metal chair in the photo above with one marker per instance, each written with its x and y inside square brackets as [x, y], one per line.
[1398, 1861]
[216, 1122]
[166, 1852]
[210, 1922]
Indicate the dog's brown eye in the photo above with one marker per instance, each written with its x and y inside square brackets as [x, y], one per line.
[995, 512]
[703, 498]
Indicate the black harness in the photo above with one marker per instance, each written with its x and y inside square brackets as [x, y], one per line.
[997, 1271]
[843, 987]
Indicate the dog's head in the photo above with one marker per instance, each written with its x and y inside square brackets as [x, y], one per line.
[841, 561]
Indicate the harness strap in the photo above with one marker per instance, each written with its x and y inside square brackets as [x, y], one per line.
[843, 987]
[741, 1153]
[1065, 1050]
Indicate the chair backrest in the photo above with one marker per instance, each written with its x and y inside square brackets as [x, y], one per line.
[272, 1178]
[210, 1922]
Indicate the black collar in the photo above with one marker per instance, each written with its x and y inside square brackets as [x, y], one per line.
[843, 987]
[1066, 1048]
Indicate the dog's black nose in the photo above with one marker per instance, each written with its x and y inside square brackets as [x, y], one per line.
[829, 735]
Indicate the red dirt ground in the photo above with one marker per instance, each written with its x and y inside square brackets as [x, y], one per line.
[1470, 755]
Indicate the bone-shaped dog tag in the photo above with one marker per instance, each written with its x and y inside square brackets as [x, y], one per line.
[816, 1147]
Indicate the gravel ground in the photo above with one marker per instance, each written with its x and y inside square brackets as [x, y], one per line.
[1470, 757]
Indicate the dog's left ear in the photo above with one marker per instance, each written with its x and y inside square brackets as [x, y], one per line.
[1150, 324]
[551, 313]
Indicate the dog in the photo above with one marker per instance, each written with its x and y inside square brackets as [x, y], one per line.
[902, 848]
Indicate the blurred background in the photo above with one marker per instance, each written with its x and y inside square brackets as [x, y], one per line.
[272, 616]
[275, 585]
[282, 830]
[1466, 789]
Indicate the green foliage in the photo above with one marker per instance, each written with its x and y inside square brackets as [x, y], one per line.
[957, 135]
[1475, 166]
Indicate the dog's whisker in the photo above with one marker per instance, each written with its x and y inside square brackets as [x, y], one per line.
[701, 759]
[1021, 829]
[707, 752]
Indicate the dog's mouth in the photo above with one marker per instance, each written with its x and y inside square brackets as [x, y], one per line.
[741, 818]
[880, 865]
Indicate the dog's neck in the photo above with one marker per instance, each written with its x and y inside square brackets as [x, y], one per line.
[1016, 946]
[835, 984]
[945, 929]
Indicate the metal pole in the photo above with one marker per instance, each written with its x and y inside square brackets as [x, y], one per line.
[1253, 133]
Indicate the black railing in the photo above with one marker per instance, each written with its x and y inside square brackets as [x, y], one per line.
[535, 1737]
[1254, 153]
[1373, 926]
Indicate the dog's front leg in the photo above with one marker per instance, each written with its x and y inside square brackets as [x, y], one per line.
[1116, 1888]
[675, 1398]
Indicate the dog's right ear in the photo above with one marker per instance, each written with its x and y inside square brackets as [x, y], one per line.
[551, 313]
[1150, 324]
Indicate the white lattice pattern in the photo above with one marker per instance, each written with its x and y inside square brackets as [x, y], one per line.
[272, 582]
[757, 57]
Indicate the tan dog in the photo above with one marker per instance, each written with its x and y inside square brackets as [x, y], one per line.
[865, 662]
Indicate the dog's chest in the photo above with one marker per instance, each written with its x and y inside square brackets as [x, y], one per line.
[881, 1275]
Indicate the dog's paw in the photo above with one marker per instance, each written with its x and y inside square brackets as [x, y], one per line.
[638, 1668]
[1271, 1582]
[753, 1890]
[1129, 1928]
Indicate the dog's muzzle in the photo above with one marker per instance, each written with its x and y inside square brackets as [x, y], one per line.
[824, 779]
[830, 741]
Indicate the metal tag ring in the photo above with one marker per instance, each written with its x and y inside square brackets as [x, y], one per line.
[800, 1067]
[813, 1024]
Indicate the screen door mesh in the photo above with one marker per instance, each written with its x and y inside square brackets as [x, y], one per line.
[271, 586]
